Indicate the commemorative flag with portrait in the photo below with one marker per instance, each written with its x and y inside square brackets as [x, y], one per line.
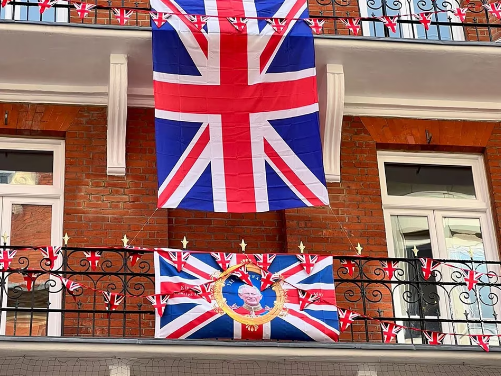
[244, 300]
[236, 107]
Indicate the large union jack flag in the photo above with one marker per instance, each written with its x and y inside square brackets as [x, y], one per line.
[236, 109]
[206, 302]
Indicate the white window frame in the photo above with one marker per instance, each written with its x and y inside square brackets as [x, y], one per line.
[15, 14]
[435, 209]
[52, 195]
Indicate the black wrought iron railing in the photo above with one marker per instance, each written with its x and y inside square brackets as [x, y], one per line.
[39, 300]
[476, 24]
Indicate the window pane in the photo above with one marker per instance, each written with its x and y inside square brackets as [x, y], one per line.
[418, 180]
[463, 239]
[413, 299]
[26, 167]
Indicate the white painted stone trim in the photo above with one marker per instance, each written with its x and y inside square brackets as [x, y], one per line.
[117, 115]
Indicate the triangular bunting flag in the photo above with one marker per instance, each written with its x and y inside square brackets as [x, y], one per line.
[471, 277]
[306, 298]
[134, 257]
[50, 255]
[159, 302]
[179, 259]
[5, 2]
[43, 5]
[222, 259]
[481, 340]
[6, 257]
[424, 19]
[93, 258]
[83, 9]
[390, 331]
[159, 18]
[390, 22]
[316, 25]
[389, 267]
[353, 24]
[349, 265]
[494, 9]
[307, 262]
[267, 279]
[242, 274]
[434, 338]
[238, 23]
[278, 24]
[70, 286]
[112, 300]
[428, 266]
[30, 278]
[460, 13]
[122, 15]
[264, 261]
[198, 21]
[346, 318]
[204, 291]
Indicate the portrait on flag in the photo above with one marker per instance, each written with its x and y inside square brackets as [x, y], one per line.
[236, 107]
[245, 300]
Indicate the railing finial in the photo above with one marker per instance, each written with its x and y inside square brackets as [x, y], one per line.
[184, 242]
[125, 240]
[301, 247]
[359, 249]
[65, 239]
[243, 244]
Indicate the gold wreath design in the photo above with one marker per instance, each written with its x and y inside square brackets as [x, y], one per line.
[258, 320]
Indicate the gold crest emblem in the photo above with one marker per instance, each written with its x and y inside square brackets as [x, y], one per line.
[248, 320]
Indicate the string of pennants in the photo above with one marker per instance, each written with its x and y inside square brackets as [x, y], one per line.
[123, 14]
[113, 300]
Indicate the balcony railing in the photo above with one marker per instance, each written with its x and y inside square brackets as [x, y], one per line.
[441, 303]
[479, 24]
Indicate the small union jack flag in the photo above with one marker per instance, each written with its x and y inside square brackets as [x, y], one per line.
[390, 331]
[242, 273]
[390, 267]
[159, 302]
[434, 338]
[349, 265]
[306, 298]
[238, 23]
[159, 18]
[179, 259]
[428, 266]
[83, 9]
[204, 291]
[307, 262]
[268, 279]
[112, 300]
[460, 13]
[6, 257]
[278, 24]
[134, 257]
[494, 9]
[346, 318]
[198, 21]
[93, 258]
[471, 277]
[43, 5]
[5, 2]
[30, 278]
[222, 259]
[424, 19]
[122, 15]
[70, 286]
[481, 340]
[264, 261]
[316, 25]
[50, 255]
[353, 24]
[390, 22]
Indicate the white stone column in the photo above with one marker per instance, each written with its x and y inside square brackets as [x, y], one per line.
[117, 114]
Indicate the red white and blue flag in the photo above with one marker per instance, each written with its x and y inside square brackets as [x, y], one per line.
[207, 303]
[236, 109]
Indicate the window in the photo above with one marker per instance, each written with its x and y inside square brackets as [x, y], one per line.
[438, 204]
[369, 8]
[31, 12]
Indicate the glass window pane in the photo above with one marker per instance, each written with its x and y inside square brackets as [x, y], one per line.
[26, 167]
[412, 299]
[30, 225]
[419, 180]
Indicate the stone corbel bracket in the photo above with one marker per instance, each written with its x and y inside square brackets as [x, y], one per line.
[117, 115]
[331, 104]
